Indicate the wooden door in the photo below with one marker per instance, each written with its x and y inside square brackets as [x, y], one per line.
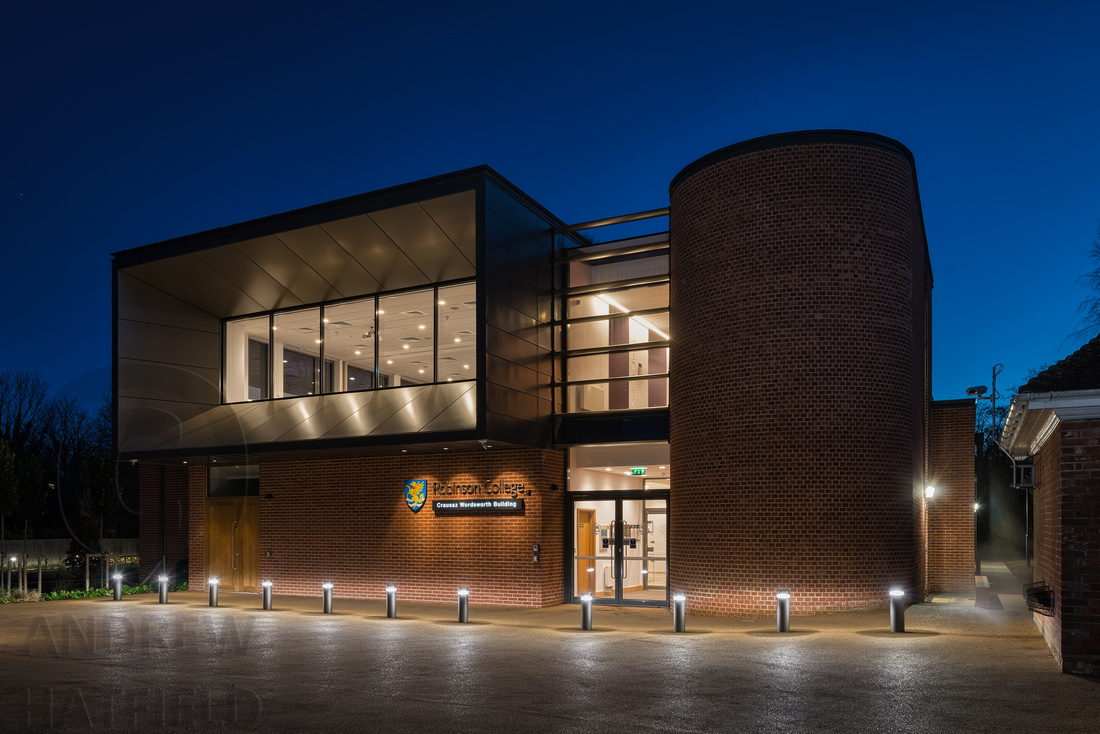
[586, 546]
[232, 542]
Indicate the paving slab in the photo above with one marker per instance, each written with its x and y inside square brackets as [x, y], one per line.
[101, 665]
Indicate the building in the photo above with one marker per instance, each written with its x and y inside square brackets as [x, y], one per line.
[441, 384]
[1054, 421]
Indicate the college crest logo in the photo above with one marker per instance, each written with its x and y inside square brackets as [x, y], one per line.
[416, 491]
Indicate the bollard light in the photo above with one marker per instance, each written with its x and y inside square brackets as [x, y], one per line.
[897, 610]
[391, 602]
[163, 589]
[586, 612]
[212, 582]
[679, 613]
[326, 590]
[783, 610]
[267, 594]
[464, 605]
[118, 586]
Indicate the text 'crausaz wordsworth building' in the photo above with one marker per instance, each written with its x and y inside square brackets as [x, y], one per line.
[442, 385]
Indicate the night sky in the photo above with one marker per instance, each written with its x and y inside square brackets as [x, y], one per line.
[131, 123]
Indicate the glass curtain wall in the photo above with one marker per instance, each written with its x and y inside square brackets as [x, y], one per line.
[410, 338]
[617, 331]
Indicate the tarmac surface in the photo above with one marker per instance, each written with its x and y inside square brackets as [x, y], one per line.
[136, 665]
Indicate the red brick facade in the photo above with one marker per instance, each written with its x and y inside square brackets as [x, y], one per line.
[798, 397]
[346, 521]
[1067, 529]
[951, 511]
[176, 520]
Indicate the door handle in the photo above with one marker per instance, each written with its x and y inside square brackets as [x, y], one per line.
[233, 548]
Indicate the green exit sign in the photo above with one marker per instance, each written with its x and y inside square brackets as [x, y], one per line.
[638, 471]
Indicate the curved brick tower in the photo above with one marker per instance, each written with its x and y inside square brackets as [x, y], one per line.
[798, 399]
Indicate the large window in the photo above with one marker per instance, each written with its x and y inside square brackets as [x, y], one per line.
[410, 338]
[616, 334]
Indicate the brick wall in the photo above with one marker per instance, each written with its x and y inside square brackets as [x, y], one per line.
[1067, 543]
[796, 413]
[175, 519]
[346, 521]
[951, 511]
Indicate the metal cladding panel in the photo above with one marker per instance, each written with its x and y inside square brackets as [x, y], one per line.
[156, 275]
[317, 249]
[328, 411]
[423, 408]
[424, 243]
[427, 404]
[168, 344]
[219, 426]
[248, 277]
[172, 383]
[139, 301]
[284, 265]
[453, 214]
[460, 415]
[376, 252]
[375, 408]
[142, 422]
[214, 286]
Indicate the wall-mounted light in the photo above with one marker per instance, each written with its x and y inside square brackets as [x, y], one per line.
[929, 492]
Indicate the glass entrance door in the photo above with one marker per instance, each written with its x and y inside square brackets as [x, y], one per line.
[620, 547]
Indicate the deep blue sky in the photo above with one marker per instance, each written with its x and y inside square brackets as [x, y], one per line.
[130, 123]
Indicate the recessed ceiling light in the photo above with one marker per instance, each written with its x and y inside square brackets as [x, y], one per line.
[380, 311]
[351, 378]
[284, 361]
[446, 449]
[457, 340]
[442, 303]
[389, 361]
[448, 379]
[422, 326]
[404, 346]
[404, 451]
[660, 467]
[607, 468]
[421, 371]
[357, 351]
[318, 341]
[465, 366]
[274, 328]
[325, 320]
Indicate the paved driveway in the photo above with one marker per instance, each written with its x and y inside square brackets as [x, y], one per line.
[100, 665]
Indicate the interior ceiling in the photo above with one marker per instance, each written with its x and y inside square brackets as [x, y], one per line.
[402, 247]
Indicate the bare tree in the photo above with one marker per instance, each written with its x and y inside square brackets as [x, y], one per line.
[1090, 307]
